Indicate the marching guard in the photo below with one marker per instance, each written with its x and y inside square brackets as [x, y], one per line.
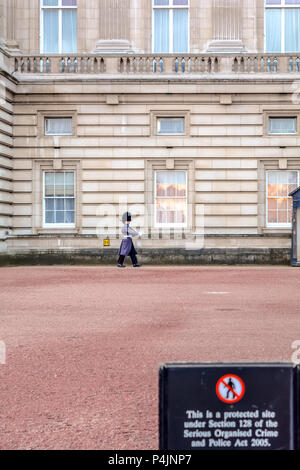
[127, 247]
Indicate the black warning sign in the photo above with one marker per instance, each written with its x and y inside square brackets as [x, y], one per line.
[227, 406]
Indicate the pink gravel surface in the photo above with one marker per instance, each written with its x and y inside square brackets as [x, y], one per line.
[84, 344]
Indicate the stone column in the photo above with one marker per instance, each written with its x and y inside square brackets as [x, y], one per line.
[7, 25]
[114, 26]
[3, 20]
[226, 26]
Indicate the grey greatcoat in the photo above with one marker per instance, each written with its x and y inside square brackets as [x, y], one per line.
[127, 244]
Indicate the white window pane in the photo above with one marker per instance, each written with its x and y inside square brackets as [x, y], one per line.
[272, 177]
[180, 30]
[49, 204]
[292, 30]
[69, 3]
[69, 181]
[161, 31]
[70, 178]
[69, 31]
[49, 217]
[58, 126]
[50, 3]
[171, 211]
[282, 177]
[293, 177]
[70, 204]
[180, 2]
[59, 209]
[292, 2]
[59, 217]
[50, 31]
[59, 204]
[280, 184]
[282, 125]
[166, 125]
[161, 2]
[273, 30]
[171, 183]
[49, 178]
[49, 184]
[70, 217]
[59, 184]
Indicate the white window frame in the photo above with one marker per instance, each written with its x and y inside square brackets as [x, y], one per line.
[60, 133]
[60, 9]
[175, 225]
[55, 225]
[276, 225]
[282, 7]
[170, 7]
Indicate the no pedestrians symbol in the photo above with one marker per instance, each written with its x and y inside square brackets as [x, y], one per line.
[230, 388]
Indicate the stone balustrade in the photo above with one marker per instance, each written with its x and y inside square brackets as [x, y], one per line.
[156, 65]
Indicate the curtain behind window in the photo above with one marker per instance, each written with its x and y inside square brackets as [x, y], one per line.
[58, 126]
[170, 125]
[180, 30]
[171, 197]
[50, 31]
[273, 30]
[283, 125]
[161, 31]
[292, 30]
[69, 31]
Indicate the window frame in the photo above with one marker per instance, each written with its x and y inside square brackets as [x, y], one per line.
[283, 133]
[170, 7]
[281, 7]
[281, 113]
[170, 133]
[44, 114]
[57, 117]
[173, 113]
[58, 225]
[168, 225]
[60, 9]
[267, 223]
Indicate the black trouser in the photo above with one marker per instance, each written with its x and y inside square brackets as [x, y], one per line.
[132, 256]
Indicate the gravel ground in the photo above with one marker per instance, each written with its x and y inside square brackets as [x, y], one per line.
[84, 344]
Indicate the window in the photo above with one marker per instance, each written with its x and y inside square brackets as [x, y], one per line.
[282, 125]
[279, 204]
[170, 26]
[170, 198]
[58, 26]
[59, 199]
[58, 126]
[170, 125]
[282, 25]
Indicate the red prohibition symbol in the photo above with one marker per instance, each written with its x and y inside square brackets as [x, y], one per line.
[230, 388]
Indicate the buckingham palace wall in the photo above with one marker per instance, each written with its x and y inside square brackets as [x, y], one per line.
[201, 144]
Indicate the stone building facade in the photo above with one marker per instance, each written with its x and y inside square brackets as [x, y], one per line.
[185, 112]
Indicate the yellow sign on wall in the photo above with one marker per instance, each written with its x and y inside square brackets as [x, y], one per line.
[106, 242]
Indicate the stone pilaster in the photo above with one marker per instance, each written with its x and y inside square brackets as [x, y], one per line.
[114, 26]
[227, 26]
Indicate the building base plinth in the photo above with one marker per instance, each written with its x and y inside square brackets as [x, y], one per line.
[105, 256]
